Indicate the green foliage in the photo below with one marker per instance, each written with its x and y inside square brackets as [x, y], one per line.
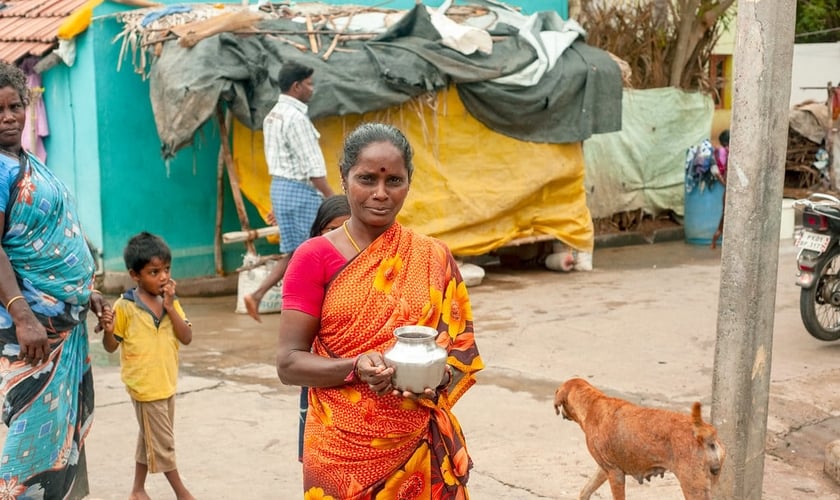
[817, 21]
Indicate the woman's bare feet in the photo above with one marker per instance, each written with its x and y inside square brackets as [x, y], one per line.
[139, 495]
[252, 305]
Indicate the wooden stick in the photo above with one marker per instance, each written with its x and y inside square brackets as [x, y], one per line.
[331, 47]
[322, 21]
[299, 46]
[158, 40]
[250, 235]
[220, 197]
[220, 207]
[337, 36]
[356, 36]
[313, 44]
[233, 177]
[195, 31]
[360, 34]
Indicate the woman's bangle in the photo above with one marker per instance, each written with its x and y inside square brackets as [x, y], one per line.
[354, 374]
[13, 300]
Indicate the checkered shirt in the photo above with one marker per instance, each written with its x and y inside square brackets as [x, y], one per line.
[291, 142]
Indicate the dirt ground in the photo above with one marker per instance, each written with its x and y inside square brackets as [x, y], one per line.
[641, 326]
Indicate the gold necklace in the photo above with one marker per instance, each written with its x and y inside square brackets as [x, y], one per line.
[352, 241]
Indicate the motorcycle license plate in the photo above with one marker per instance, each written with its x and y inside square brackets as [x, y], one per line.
[813, 241]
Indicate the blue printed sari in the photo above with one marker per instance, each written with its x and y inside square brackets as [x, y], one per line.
[48, 408]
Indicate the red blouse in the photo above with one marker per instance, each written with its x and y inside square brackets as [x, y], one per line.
[311, 268]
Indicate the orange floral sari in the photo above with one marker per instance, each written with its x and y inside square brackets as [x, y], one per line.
[358, 445]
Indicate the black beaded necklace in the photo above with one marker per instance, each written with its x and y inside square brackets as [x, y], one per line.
[11, 153]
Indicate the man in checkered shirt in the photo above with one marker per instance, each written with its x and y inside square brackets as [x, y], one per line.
[297, 168]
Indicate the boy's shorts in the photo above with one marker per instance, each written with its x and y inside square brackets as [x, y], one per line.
[156, 439]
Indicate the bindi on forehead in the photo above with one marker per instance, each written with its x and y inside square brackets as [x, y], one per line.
[382, 169]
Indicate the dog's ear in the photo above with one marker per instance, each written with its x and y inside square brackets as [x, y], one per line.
[697, 422]
[696, 414]
[705, 433]
[559, 399]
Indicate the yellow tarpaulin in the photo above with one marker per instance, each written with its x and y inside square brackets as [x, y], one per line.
[473, 188]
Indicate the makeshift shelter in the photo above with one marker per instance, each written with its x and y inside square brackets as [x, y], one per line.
[497, 113]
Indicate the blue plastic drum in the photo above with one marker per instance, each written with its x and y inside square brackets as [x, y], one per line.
[702, 213]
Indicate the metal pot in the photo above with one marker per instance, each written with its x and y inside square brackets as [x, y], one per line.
[417, 359]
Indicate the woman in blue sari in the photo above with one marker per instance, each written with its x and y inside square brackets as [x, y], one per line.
[46, 290]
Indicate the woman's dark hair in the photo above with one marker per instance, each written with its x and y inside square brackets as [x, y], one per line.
[12, 76]
[723, 138]
[369, 133]
[144, 247]
[292, 72]
[332, 207]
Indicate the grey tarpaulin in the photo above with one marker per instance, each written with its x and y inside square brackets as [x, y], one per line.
[579, 97]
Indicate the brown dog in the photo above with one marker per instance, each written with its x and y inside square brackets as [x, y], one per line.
[626, 439]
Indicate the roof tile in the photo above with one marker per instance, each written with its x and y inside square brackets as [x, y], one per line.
[12, 51]
[28, 27]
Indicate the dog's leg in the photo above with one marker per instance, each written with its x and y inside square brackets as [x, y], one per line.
[594, 483]
[694, 485]
[616, 484]
[696, 493]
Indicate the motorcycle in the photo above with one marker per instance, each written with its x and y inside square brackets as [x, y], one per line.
[818, 263]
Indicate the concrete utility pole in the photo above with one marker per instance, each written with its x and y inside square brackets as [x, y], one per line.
[741, 383]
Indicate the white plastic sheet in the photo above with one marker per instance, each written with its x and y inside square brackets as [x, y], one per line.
[643, 165]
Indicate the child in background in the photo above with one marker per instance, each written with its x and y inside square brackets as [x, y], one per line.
[149, 324]
[333, 212]
[722, 163]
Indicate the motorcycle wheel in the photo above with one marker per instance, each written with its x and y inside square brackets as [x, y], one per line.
[821, 318]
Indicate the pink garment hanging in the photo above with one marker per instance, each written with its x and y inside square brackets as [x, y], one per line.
[36, 127]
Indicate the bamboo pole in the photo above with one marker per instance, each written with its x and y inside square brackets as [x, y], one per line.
[233, 178]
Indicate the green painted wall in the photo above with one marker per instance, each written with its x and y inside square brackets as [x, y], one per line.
[72, 150]
[103, 142]
[104, 145]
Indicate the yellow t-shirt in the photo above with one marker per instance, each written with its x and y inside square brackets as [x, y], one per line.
[148, 348]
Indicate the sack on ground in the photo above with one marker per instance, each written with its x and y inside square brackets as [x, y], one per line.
[249, 280]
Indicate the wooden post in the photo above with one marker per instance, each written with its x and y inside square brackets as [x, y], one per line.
[750, 255]
[220, 208]
[233, 177]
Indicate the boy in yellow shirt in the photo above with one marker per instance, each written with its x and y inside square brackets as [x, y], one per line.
[149, 323]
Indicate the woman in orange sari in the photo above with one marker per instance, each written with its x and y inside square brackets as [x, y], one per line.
[344, 293]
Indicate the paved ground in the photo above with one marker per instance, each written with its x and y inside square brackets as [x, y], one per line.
[641, 326]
